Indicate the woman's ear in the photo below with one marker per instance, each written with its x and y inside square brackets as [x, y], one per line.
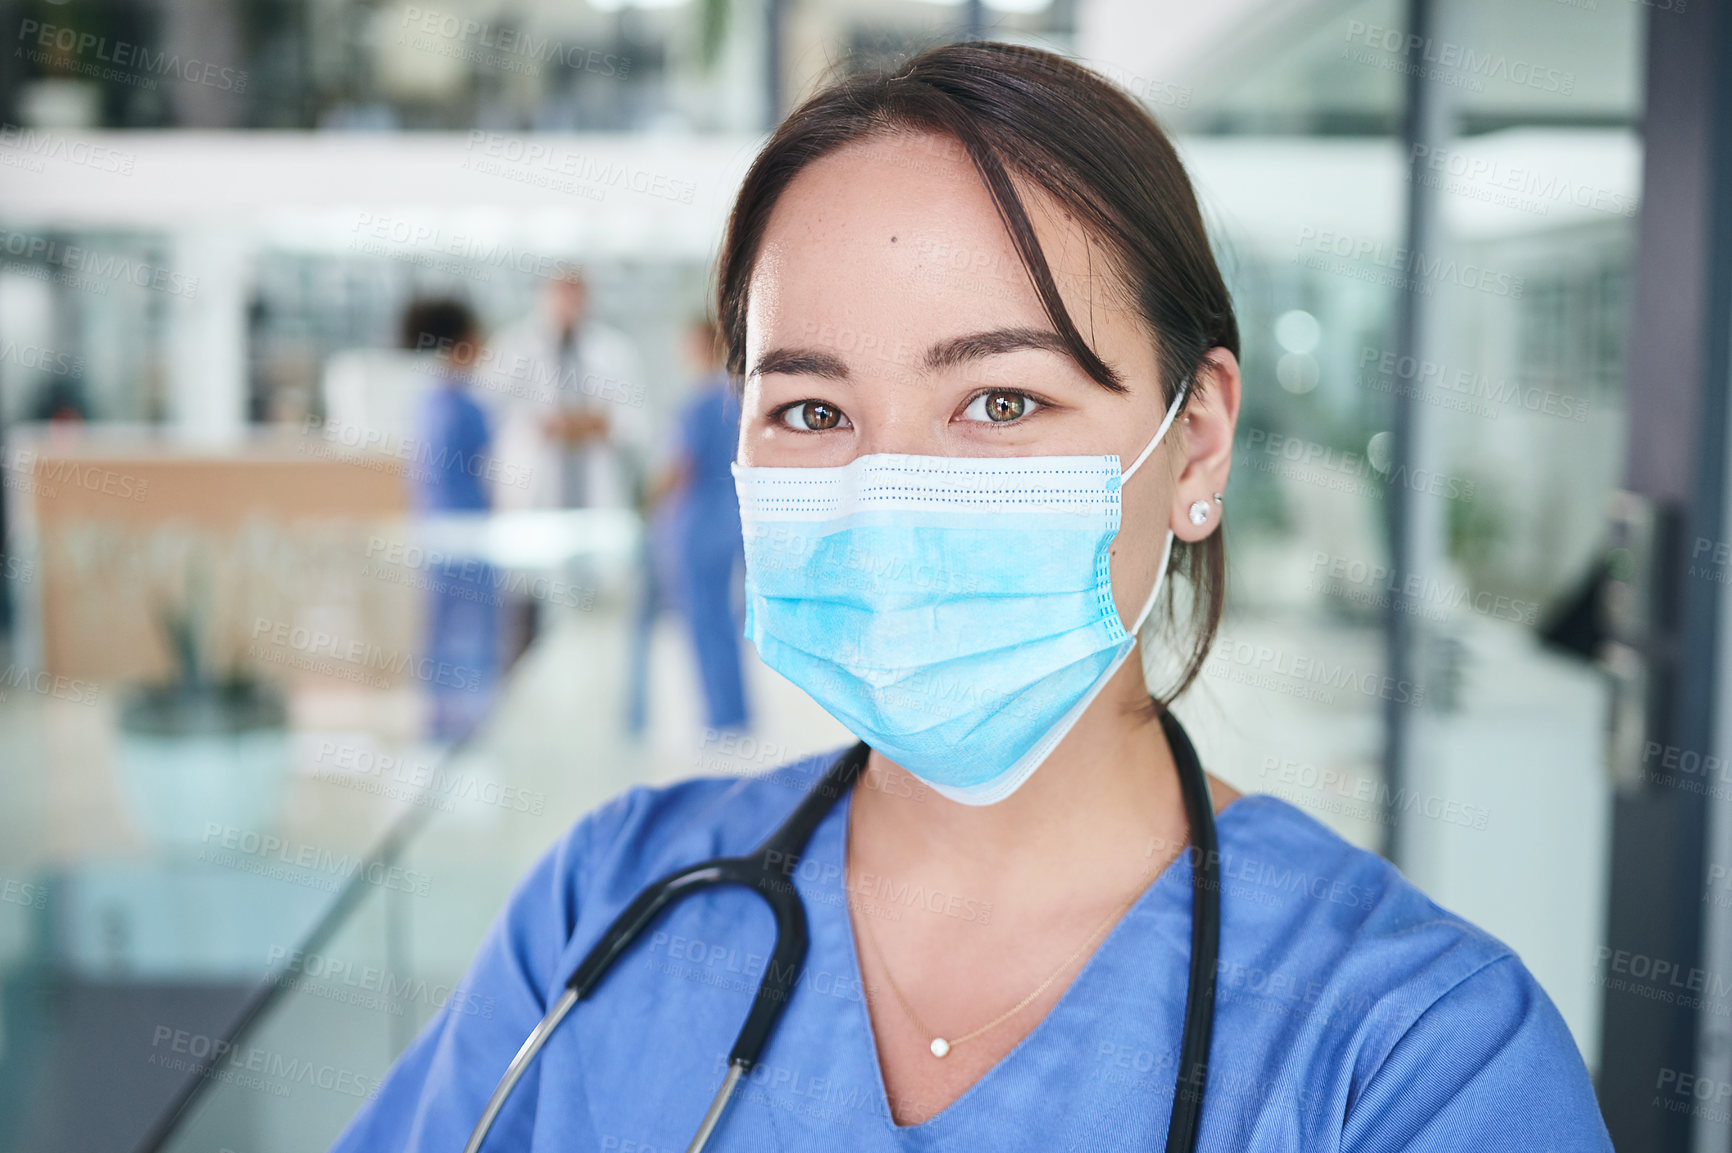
[1205, 455]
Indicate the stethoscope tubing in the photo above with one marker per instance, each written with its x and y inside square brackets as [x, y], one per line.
[1183, 1129]
[764, 871]
[519, 1065]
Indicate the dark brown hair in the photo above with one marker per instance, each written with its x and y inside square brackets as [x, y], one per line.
[1082, 142]
[437, 323]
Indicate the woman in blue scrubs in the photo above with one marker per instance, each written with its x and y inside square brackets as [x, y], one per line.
[957, 299]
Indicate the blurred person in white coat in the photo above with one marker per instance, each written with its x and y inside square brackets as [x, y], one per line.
[567, 398]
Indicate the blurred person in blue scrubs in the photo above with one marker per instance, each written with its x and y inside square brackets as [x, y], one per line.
[694, 530]
[449, 474]
[979, 282]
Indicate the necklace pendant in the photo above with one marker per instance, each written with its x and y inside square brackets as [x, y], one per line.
[940, 1046]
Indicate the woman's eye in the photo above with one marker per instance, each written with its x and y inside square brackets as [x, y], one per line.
[813, 416]
[1000, 407]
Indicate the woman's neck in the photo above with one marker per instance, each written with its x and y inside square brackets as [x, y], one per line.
[1105, 804]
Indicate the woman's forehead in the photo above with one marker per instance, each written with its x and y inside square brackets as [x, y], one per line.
[900, 231]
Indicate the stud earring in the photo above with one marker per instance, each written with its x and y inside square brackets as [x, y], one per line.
[1199, 511]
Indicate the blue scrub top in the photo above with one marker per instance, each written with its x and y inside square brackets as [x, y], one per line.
[447, 471]
[1353, 1013]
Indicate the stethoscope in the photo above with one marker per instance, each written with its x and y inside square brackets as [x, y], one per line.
[763, 870]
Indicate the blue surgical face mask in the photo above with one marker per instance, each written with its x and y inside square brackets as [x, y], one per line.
[955, 613]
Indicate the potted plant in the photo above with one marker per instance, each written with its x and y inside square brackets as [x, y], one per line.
[199, 751]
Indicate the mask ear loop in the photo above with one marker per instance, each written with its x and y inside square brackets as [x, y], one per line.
[1160, 579]
[1167, 549]
[1166, 423]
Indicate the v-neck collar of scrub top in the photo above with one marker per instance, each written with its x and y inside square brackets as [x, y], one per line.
[832, 931]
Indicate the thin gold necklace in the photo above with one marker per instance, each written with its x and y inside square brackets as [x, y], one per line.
[941, 1046]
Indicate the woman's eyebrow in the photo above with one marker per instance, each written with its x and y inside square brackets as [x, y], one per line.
[800, 362]
[944, 354]
[978, 345]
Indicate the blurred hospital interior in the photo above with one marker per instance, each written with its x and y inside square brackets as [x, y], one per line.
[367, 516]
